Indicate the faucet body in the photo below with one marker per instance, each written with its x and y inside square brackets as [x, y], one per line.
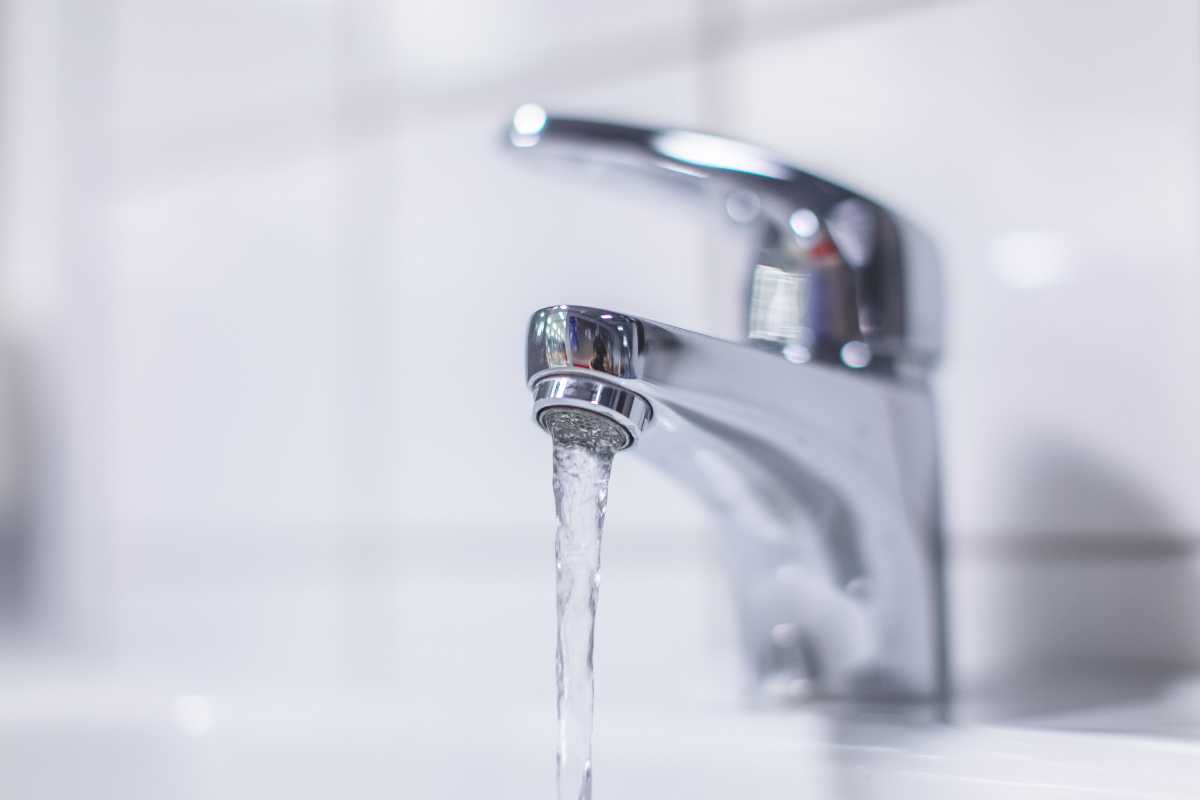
[825, 483]
[814, 441]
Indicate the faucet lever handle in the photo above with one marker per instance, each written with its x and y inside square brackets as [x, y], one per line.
[701, 159]
[828, 278]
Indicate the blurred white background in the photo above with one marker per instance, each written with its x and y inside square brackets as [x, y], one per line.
[254, 254]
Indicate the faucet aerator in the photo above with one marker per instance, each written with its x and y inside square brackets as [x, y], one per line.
[580, 410]
[574, 427]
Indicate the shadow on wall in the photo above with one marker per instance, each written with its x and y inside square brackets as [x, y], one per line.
[1068, 492]
[1095, 606]
[19, 463]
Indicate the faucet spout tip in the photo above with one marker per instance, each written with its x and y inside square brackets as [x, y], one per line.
[527, 124]
[579, 409]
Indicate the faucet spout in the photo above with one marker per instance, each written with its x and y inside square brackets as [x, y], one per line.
[824, 479]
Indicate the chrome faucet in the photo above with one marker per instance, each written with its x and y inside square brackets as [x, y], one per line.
[814, 440]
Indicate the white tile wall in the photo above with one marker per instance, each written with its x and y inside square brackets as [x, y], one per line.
[230, 343]
[207, 68]
[336, 338]
[299, 219]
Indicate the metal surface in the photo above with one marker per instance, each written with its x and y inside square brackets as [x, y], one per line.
[621, 406]
[818, 451]
[830, 279]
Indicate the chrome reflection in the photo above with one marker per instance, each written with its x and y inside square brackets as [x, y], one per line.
[826, 482]
[805, 223]
[528, 122]
[815, 445]
[599, 342]
[850, 256]
[715, 152]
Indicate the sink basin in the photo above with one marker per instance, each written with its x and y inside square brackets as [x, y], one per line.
[363, 670]
[145, 743]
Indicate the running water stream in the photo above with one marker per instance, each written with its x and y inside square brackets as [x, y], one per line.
[584, 444]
